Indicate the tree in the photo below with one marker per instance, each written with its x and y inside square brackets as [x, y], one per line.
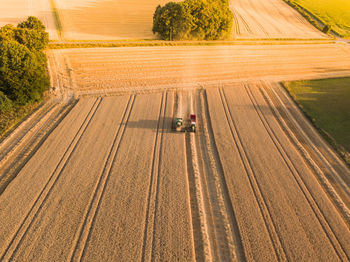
[171, 22]
[32, 23]
[23, 76]
[32, 38]
[193, 19]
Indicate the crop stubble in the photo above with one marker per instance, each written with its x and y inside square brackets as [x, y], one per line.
[112, 180]
[269, 19]
[150, 68]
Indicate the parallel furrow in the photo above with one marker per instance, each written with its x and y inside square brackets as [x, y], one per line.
[274, 236]
[29, 148]
[292, 132]
[83, 233]
[47, 189]
[227, 234]
[338, 248]
[146, 253]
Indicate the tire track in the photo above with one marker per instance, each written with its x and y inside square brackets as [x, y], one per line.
[31, 146]
[338, 248]
[84, 230]
[235, 21]
[336, 167]
[207, 251]
[9, 145]
[146, 252]
[274, 236]
[19, 235]
[296, 135]
[226, 230]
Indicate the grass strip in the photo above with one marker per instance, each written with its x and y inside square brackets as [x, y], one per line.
[10, 120]
[326, 104]
[56, 45]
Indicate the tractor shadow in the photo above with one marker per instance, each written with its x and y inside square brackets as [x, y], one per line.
[152, 124]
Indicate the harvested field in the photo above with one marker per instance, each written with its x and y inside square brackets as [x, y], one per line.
[113, 181]
[16, 11]
[269, 19]
[106, 19]
[150, 68]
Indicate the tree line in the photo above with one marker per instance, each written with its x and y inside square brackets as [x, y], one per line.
[23, 73]
[193, 19]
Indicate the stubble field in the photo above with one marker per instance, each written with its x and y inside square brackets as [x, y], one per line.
[269, 19]
[107, 20]
[98, 174]
[112, 180]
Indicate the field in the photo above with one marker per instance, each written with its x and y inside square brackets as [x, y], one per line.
[335, 13]
[327, 102]
[15, 11]
[106, 19]
[198, 197]
[269, 19]
[105, 176]
[97, 173]
[149, 68]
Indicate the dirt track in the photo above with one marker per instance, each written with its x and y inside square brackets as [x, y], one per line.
[269, 19]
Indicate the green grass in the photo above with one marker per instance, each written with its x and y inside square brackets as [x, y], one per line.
[335, 13]
[10, 119]
[89, 44]
[327, 104]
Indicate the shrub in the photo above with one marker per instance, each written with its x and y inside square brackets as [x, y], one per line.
[327, 29]
[5, 103]
[193, 19]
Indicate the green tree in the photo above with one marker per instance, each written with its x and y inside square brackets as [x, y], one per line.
[7, 33]
[172, 22]
[32, 23]
[193, 19]
[23, 76]
[31, 38]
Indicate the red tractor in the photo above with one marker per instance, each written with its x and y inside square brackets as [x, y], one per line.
[193, 123]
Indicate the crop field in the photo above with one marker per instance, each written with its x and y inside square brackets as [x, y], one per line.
[149, 68]
[99, 172]
[335, 13]
[106, 177]
[16, 11]
[106, 19]
[113, 181]
[270, 19]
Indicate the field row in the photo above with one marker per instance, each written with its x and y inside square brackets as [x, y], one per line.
[112, 180]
